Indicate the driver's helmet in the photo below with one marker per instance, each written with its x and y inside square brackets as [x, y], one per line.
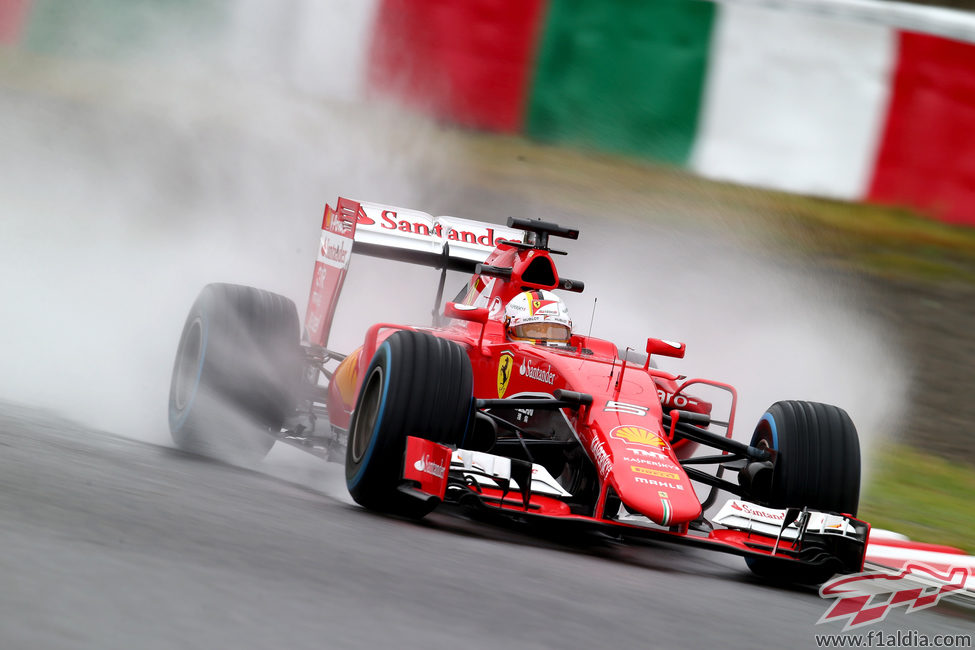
[537, 317]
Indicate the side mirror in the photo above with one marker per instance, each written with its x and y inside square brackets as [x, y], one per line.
[465, 312]
[666, 348]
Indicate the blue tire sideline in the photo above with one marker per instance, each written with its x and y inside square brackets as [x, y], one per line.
[419, 385]
[817, 465]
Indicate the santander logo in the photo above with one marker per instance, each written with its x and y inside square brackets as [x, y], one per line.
[335, 252]
[364, 219]
[424, 465]
[756, 512]
[537, 373]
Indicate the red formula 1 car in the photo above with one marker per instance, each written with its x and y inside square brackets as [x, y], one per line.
[465, 413]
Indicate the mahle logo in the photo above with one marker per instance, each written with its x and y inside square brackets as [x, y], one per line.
[638, 436]
[505, 363]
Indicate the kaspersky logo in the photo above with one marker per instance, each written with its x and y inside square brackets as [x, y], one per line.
[638, 436]
[506, 362]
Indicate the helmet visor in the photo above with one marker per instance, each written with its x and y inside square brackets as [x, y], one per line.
[541, 331]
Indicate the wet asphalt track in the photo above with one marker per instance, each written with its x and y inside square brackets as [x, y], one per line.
[113, 543]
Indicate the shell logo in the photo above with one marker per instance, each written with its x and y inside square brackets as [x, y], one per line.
[638, 436]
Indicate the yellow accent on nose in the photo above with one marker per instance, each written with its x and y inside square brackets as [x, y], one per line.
[638, 435]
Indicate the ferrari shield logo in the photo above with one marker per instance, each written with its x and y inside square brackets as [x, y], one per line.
[505, 363]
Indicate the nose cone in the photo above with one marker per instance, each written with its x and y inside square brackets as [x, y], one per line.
[649, 480]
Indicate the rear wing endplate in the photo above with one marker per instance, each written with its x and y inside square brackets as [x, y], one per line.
[393, 233]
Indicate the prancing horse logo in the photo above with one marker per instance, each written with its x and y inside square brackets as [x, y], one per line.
[505, 363]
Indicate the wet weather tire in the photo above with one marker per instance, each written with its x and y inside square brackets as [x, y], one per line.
[417, 384]
[818, 459]
[236, 371]
[817, 466]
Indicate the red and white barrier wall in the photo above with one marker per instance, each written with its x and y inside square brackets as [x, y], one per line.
[834, 99]
[895, 551]
[860, 100]
[13, 16]
[319, 47]
[794, 102]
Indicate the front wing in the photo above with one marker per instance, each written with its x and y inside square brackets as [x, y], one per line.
[495, 484]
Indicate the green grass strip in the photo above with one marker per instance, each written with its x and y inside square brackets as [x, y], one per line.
[925, 497]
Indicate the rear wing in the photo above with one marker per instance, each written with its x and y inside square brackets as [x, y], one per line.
[393, 233]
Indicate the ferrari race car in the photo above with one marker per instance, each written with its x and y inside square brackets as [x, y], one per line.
[462, 414]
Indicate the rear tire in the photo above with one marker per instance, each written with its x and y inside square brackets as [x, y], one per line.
[416, 385]
[236, 371]
[817, 466]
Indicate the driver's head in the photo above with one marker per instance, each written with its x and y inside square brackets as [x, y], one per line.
[537, 317]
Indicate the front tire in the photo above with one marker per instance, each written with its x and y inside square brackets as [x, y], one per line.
[416, 385]
[235, 374]
[817, 466]
[818, 459]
